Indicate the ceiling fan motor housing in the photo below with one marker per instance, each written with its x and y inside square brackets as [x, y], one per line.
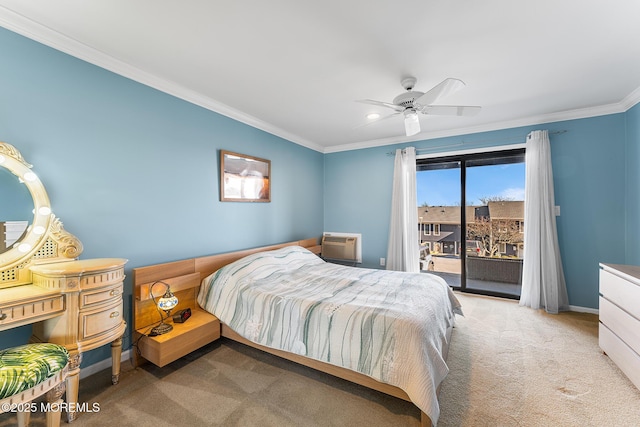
[407, 99]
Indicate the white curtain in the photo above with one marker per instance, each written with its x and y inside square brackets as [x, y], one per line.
[543, 284]
[403, 250]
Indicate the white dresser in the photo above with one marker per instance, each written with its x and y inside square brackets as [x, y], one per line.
[619, 331]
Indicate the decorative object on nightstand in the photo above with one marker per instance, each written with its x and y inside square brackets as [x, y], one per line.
[182, 316]
[166, 303]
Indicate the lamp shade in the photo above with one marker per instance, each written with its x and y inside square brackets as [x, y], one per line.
[411, 122]
[168, 301]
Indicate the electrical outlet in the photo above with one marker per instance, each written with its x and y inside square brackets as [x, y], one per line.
[557, 210]
[383, 262]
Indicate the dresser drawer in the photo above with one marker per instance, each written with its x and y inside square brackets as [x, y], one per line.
[102, 279]
[625, 326]
[627, 360]
[99, 296]
[96, 322]
[621, 292]
[29, 312]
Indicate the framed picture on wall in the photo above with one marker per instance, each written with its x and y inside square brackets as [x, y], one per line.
[244, 178]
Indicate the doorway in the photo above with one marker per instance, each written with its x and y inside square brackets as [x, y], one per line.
[471, 220]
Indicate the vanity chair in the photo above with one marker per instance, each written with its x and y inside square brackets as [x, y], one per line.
[29, 371]
[73, 303]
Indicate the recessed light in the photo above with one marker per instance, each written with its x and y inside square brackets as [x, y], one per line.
[373, 116]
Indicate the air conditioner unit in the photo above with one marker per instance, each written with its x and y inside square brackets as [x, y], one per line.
[339, 247]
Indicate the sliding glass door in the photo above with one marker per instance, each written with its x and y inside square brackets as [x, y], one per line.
[471, 220]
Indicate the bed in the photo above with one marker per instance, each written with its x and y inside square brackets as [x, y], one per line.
[388, 331]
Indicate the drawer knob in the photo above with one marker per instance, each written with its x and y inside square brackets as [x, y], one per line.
[114, 292]
[3, 316]
[114, 314]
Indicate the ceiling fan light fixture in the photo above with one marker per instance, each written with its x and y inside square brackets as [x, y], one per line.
[411, 122]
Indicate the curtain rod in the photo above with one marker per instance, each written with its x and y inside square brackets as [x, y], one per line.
[511, 138]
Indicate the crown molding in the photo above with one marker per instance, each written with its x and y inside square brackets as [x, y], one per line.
[631, 100]
[42, 34]
[561, 116]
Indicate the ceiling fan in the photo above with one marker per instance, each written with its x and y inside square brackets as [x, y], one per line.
[412, 102]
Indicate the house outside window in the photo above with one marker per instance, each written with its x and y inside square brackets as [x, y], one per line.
[483, 205]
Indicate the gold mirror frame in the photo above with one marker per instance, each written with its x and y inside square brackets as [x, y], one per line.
[45, 239]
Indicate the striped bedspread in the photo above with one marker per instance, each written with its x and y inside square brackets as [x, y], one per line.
[388, 325]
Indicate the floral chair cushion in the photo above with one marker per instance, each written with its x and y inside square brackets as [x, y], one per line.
[26, 366]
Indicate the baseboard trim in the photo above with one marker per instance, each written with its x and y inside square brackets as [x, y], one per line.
[579, 309]
[101, 365]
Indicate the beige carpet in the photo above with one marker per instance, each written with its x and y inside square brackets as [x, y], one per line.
[510, 366]
[513, 366]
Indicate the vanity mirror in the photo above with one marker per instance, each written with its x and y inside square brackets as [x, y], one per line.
[16, 209]
[29, 232]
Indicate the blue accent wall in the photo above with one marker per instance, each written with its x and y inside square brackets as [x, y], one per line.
[632, 205]
[589, 184]
[134, 172]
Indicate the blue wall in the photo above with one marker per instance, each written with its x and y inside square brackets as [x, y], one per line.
[632, 207]
[133, 172]
[589, 183]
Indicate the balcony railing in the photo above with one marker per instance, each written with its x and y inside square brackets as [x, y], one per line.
[494, 269]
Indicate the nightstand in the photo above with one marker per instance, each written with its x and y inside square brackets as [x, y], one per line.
[200, 329]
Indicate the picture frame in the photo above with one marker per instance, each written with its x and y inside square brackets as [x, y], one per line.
[244, 178]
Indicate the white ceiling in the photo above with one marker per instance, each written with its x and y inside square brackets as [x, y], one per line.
[296, 68]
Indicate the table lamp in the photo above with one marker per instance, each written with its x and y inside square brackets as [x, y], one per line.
[166, 303]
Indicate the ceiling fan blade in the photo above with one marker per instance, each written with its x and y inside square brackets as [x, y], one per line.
[371, 122]
[441, 90]
[451, 110]
[382, 104]
[411, 123]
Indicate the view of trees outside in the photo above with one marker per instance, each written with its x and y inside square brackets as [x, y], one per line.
[494, 214]
[494, 234]
[493, 246]
[501, 189]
